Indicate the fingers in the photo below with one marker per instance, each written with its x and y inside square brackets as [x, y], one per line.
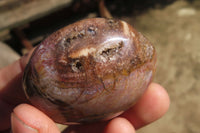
[119, 125]
[27, 119]
[153, 104]
[11, 81]
[11, 92]
[10, 73]
[116, 125]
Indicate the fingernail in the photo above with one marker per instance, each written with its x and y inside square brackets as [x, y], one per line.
[18, 126]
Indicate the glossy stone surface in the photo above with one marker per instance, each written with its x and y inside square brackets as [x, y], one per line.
[88, 71]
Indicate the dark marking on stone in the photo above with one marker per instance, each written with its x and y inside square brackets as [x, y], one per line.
[109, 52]
[92, 30]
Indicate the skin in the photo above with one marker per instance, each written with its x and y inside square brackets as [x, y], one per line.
[16, 112]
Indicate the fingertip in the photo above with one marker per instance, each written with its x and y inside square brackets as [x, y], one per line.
[28, 117]
[152, 105]
[18, 126]
[155, 103]
[119, 125]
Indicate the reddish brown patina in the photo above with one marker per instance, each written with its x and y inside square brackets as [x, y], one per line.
[88, 71]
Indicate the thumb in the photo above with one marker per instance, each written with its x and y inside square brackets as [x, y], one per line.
[27, 119]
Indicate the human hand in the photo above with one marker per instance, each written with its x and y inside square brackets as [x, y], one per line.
[26, 118]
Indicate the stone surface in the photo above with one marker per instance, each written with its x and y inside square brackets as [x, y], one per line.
[174, 31]
[88, 71]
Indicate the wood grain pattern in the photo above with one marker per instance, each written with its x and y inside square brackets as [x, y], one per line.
[17, 12]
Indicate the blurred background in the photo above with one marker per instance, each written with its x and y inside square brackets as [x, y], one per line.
[173, 26]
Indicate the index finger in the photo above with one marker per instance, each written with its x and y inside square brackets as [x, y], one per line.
[11, 78]
[152, 105]
[11, 92]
